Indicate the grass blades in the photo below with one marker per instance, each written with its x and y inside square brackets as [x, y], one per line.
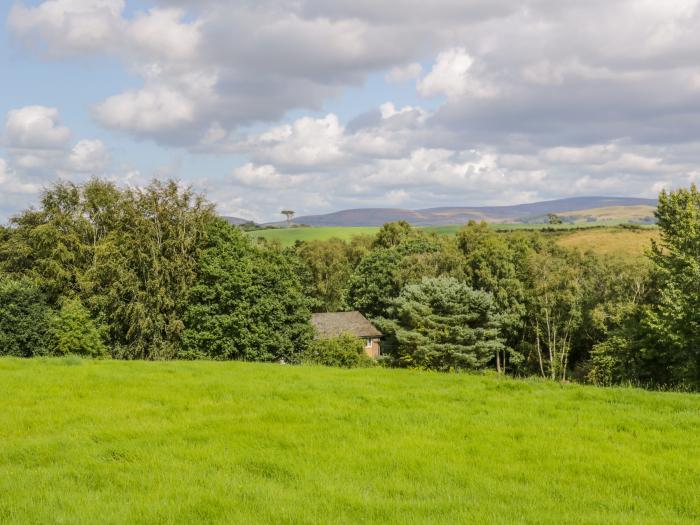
[208, 442]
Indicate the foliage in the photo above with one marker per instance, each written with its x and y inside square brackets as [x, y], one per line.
[129, 255]
[374, 285]
[442, 324]
[247, 302]
[674, 316]
[345, 351]
[555, 307]
[330, 265]
[495, 263]
[24, 317]
[73, 331]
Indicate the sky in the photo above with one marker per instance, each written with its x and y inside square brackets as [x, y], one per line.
[321, 105]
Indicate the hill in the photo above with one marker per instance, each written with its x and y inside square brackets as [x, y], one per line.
[236, 221]
[229, 442]
[532, 212]
[602, 237]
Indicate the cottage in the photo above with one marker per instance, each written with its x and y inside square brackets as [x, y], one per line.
[333, 324]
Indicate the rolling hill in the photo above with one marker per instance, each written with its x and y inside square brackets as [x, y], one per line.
[577, 208]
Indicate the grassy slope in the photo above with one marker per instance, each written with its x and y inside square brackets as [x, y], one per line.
[195, 442]
[288, 236]
[603, 240]
[611, 241]
[619, 213]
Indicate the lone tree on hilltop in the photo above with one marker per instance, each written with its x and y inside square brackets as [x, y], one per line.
[290, 215]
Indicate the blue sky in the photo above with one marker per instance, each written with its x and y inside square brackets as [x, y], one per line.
[322, 105]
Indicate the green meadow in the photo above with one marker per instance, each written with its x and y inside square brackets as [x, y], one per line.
[288, 236]
[603, 237]
[230, 442]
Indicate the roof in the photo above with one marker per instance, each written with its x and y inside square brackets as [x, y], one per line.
[333, 324]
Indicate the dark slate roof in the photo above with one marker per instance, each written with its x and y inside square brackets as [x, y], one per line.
[335, 323]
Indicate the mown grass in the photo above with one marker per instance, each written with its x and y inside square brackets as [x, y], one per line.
[207, 442]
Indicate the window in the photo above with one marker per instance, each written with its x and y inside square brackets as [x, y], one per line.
[368, 342]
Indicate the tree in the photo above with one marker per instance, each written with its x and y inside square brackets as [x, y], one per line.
[443, 324]
[345, 351]
[24, 318]
[289, 214]
[73, 331]
[554, 219]
[492, 263]
[330, 265]
[374, 284]
[247, 302]
[555, 307]
[674, 316]
[129, 255]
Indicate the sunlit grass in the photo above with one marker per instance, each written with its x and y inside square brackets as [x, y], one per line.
[207, 442]
[288, 236]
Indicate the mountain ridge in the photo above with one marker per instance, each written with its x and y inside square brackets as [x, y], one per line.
[444, 215]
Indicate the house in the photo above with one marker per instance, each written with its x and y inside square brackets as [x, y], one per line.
[333, 324]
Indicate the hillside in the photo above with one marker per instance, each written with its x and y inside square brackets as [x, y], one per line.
[216, 442]
[531, 212]
[601, 239]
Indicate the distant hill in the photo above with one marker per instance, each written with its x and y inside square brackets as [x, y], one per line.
[236, 221]
[588, 208]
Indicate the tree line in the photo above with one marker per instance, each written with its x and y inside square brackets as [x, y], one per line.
[153, 273]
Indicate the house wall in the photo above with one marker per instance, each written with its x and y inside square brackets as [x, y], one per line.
[375, 350]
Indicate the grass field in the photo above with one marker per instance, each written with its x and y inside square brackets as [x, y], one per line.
[206, 442]
[602, 238]
[288, 236]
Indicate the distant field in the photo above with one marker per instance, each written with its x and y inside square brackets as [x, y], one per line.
[617, 213]
[611, 241]
[601, 237]
[220, 442]
[288, 236]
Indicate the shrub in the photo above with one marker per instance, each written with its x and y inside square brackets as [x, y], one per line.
[346, 351]
[72, 331]
[24, 318]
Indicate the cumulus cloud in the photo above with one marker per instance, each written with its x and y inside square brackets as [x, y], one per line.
[528, 100]
[88, 156]
[35, 127]
[39, 151]
[453, 77]
[405, 73]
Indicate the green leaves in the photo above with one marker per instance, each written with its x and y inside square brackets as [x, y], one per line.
[24, 317]
[247, 302]
[442, 324]
[72, 331]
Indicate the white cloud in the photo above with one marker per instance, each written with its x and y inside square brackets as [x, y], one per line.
[537, 99]
[453, 77]
[36, 127]
[69, 26]
[160, 33]
[149, 110]
[266, 177]
[12, 183]
[308, 143]
[405, 73]
[88, 156]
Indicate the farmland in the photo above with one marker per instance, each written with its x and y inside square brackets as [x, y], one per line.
[607, 238]
[183, 442]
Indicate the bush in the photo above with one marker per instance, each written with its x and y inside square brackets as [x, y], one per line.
[345, 351]
[72, 331]
[24, 318]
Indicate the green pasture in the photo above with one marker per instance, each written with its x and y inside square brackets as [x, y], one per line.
[229, 442]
